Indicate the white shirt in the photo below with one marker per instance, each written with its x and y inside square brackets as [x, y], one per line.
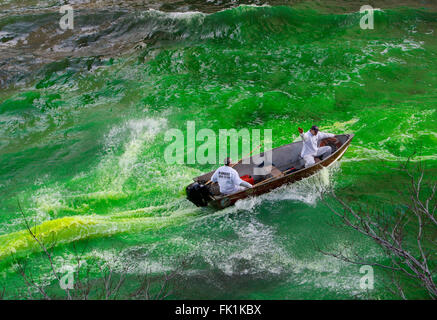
[310, 142]
[227, 178]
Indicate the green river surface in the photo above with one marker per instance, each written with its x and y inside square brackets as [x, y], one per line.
[83, 114]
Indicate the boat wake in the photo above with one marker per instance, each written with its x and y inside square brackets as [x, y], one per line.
[68, 229]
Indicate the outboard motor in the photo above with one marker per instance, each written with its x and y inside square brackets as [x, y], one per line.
[198, 194]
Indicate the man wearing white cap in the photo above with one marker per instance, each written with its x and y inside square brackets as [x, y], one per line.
[310, 142]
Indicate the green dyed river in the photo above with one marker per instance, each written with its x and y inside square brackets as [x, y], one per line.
[84, 112]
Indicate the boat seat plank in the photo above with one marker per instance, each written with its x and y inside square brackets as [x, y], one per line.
[272, 171]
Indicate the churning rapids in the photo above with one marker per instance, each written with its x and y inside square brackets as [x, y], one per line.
[83, 114]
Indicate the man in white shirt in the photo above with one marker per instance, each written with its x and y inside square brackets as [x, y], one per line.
[310, 141]
[229, 179]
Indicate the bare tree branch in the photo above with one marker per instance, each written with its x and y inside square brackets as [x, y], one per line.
[406, 236]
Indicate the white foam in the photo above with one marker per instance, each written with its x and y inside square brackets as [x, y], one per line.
[174, 14]
[406, 45]
[308, 191]
[142, 133]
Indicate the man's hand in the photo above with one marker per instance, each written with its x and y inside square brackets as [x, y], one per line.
[300, 130]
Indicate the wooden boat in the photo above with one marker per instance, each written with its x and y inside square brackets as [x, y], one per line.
[287, 166]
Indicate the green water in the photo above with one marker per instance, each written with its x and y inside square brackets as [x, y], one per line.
[82, 140]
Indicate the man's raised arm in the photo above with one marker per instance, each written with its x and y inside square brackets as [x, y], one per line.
[302, 135]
